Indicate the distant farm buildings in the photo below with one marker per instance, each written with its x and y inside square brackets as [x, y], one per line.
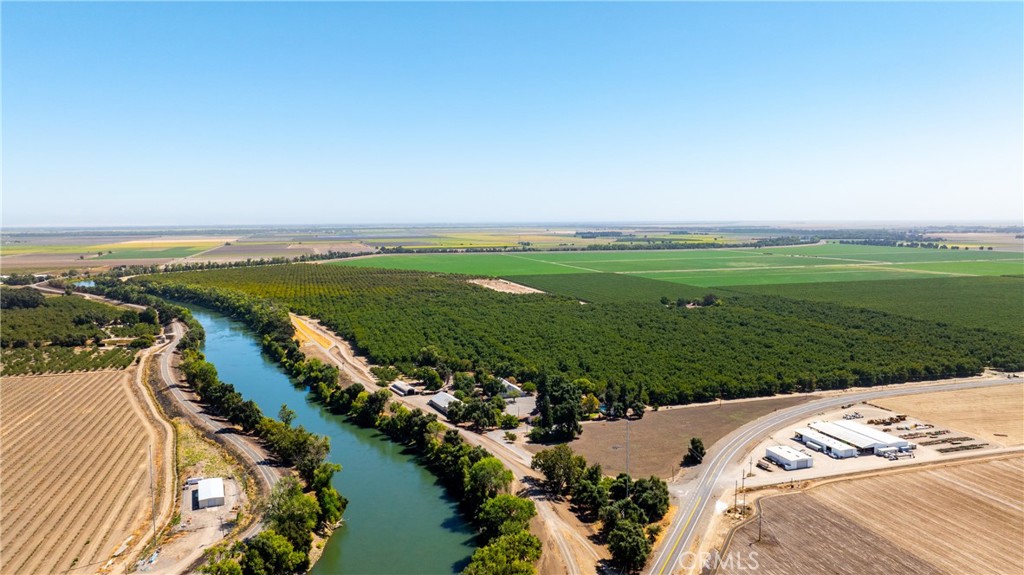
[441, 401]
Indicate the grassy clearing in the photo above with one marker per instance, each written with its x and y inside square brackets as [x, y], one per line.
[200, 457]
[994, 303]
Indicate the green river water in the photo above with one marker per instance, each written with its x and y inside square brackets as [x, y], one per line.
[399, 520]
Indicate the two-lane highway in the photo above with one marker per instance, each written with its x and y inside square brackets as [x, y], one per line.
[698, 502]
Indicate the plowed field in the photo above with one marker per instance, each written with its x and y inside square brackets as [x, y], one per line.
[955, 519]
[74, 471]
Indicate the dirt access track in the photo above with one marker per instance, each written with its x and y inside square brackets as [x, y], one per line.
[75, 472]
[951, 519]
[567, 545]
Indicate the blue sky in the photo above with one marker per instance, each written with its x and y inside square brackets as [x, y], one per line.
[199, 113]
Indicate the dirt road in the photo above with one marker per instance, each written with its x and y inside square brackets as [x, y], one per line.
[577, 554]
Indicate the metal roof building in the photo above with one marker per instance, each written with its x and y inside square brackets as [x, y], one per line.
[864, 438]
[825, 444]
[510, 389]
[402, 388]
[879, 436]
[210, 492]
[788, 457]
[441, 401]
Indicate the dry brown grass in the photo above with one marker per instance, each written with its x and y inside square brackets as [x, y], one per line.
[659, 441]
[981, 412]
[955, 519]
[74, 471]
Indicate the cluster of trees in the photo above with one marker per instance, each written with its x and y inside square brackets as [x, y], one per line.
[756, 345]
[623, 505]
[709, 299]
[19, 279]
[20, 298]
[60, 321]
[56, 359]
[471, 474]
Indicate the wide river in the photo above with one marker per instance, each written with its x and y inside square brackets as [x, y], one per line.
[399, 520]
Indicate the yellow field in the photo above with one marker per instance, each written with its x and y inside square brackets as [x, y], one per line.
[75, 471]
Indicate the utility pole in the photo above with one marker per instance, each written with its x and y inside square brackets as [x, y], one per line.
[152, 492]
[627, 458]
[735, 494]
[760, 519]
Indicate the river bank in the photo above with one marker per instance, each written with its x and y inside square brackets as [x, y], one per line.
[394, 502]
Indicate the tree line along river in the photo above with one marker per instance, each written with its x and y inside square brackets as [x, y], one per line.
[399, 519]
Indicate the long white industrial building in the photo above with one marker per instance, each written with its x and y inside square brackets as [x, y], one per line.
[865, 439]
[825, 444]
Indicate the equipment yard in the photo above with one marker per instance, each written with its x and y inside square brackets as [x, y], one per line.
[75, 473]
[991, 413]
[895, 522]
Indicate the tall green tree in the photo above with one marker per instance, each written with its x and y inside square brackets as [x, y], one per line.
[629, 545]
[487, 478]
[269, 553]
[292, 514]
[561, 468]
[503, 515]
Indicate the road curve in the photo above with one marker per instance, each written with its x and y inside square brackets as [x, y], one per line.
[697, 504]
[245, 446]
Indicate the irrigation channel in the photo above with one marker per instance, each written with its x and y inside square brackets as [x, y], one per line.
[399, 520]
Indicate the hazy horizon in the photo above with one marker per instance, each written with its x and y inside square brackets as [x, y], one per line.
[245, 114]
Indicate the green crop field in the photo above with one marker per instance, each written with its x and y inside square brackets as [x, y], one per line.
[469, 264]
[721, 267]
[152, 253]
[994, 303]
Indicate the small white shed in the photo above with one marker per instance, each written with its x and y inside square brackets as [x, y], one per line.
[210, 492]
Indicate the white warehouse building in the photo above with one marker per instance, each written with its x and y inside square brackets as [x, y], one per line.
[860, 436]
[210, 492]
[441, 401]
[825, 444]
[789, 458]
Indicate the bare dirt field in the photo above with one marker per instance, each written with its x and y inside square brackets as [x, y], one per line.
[983, 412]
[659, 441]
[74, 471]
[955, 519]
[255, 250]
[504, 286]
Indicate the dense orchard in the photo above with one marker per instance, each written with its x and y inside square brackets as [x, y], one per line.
[750, 345]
